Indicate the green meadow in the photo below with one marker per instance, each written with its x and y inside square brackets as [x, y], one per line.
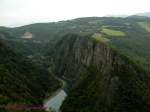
[112, 32]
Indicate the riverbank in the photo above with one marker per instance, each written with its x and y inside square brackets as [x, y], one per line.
[52, 95]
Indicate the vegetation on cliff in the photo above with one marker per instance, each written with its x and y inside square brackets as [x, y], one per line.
[110, 83]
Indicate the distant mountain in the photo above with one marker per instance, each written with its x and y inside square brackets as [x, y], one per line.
[110, 15]
[146, 14]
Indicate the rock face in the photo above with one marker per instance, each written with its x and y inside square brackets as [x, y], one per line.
[105, 81]
[73, 54]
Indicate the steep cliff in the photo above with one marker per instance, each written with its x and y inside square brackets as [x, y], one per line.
[105, 80]
[70, 55]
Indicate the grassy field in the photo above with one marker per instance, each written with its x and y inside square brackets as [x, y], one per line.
[111, 32]
[145, 25]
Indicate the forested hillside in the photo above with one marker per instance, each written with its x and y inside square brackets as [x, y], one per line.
[22, 82]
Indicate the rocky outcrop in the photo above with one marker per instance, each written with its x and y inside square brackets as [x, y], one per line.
[74, 54]
[105, 81]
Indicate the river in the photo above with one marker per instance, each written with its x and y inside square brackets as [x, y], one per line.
[55, 101]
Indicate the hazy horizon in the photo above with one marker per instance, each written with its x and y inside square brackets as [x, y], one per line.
[15, 13]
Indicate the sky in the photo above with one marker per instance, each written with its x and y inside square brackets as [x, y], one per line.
[21, 12]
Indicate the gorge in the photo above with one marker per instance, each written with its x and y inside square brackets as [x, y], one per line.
[81, 65]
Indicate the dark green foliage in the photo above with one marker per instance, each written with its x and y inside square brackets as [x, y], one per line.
[21, 81]
[124, 89]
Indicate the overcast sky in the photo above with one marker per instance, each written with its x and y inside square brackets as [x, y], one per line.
[21, 12]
